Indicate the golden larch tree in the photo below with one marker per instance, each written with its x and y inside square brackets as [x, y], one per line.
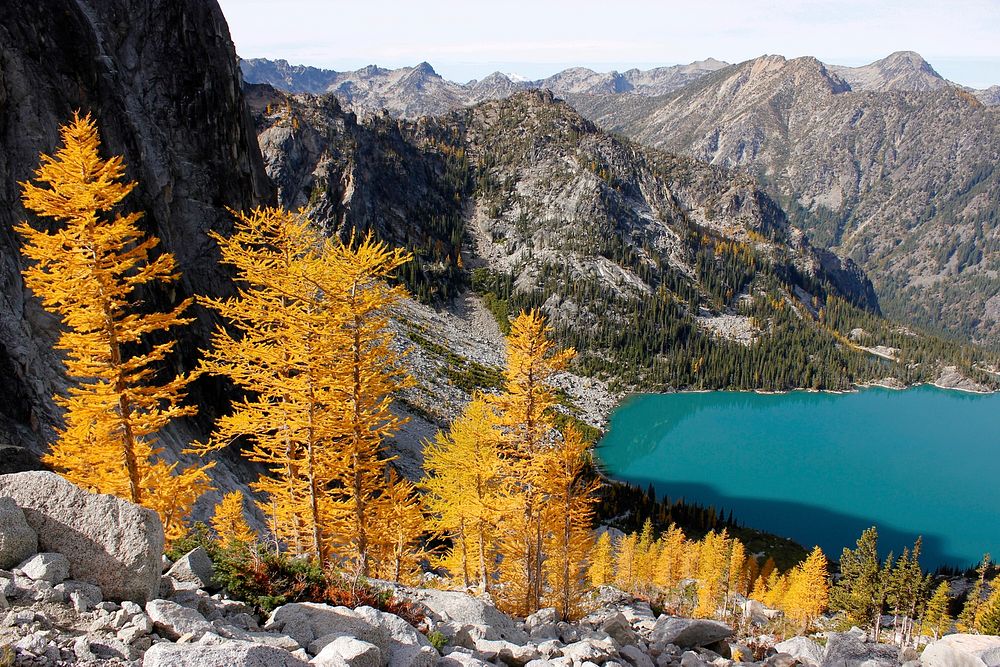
[602, 562]
[569, 509]
[281, 347]
[968, 619]
[670, 564]
[937, 620]
[371, 373]
[808, 589]
[625, 571]
[91, 270]
[752, 573]
[464, 484]
[527, 429]
[713, 563]
[229, 522]
[737, 570]
[737, 567]
[777, 588]
[398, 530]
[646, 554]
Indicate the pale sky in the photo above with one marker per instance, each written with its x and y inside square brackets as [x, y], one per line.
[468, 39]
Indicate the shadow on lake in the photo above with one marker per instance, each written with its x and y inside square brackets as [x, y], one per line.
[804, 523]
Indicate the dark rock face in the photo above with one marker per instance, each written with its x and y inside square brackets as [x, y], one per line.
[161, 79]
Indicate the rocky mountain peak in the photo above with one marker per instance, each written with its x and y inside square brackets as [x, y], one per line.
[425, 69]
[373, 70]
[902, 70]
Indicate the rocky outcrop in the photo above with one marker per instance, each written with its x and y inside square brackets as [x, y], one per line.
[847, 649]
[689, 632]
[172, 620]
[568, 218]
[50, 567]
[108, 542]
[162, 81]
[902, 70]
[46, 625]
[317, 625]
[803, 649]
[961, 650]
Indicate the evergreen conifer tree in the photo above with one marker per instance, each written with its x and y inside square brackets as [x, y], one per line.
[937, 620]
[858, 592]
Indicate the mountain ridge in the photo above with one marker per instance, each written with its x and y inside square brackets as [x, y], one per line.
[373, 88]
[855, 170]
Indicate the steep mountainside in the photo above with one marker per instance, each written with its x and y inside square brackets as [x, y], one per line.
[663, 271]
[903, 182]
[411, 92]
[164, 87]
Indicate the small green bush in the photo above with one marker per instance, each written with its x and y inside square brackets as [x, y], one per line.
[437, 640]
[266, 580]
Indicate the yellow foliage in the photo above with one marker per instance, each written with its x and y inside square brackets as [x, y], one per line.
[464, 483]
[526, 430]
[229, 522]
[313, 349]
[713, 563]
[646, 555]
[602, 565]
[936, 619]
[87, 271]
[777, 588]
[670, 564]
[281, 346]
[808, 589]
[370, 374]
[625, 570]
[567, 516]
[398, 527]
[738, 568]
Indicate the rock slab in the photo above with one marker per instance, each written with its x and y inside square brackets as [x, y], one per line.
[350, 652]
[109, 542]
[17, 540]
[803, 649]
[172, 620]
[961, 650]
[844, 649]
[50, 567]
[227, 654]
[689, 632]
[194, 567]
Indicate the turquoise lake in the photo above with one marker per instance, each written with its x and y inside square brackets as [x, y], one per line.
[820, 467]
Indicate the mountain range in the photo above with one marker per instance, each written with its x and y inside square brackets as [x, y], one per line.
[411, 92]
[888, 163]
[903, 180]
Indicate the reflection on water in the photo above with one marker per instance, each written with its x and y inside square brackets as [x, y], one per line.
[820, 467]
